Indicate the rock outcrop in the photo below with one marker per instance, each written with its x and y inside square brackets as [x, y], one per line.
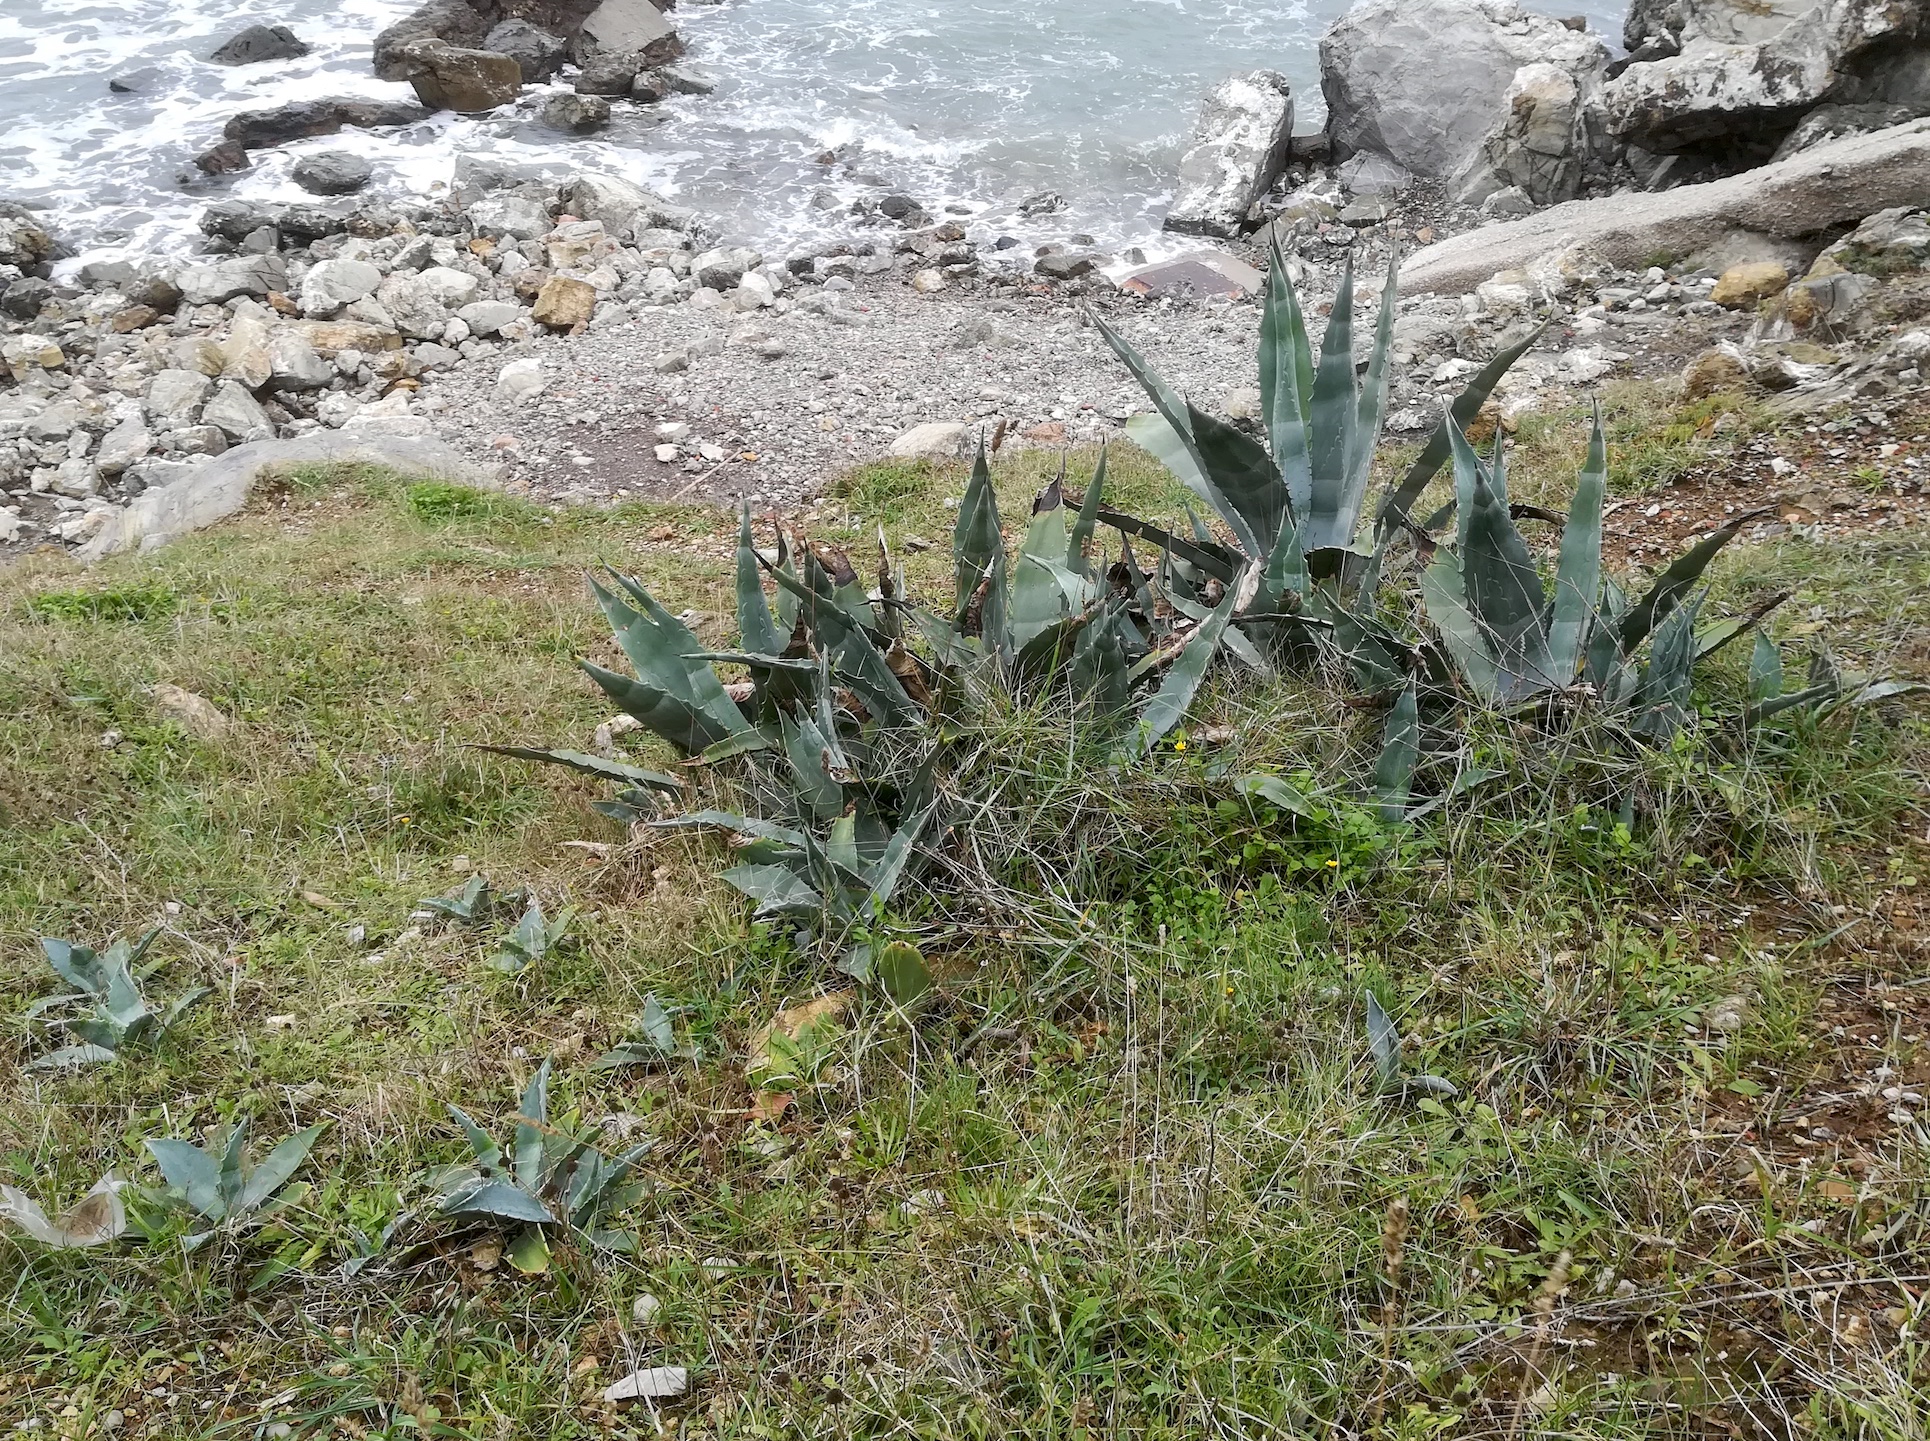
[1738, 75]
[1425, 83]
[1238, 149]
[1832, 185]
[454, 22]
[635, 28]
[303, 119]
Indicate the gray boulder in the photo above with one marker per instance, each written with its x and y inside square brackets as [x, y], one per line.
[23, 299]
[1536, 145]
[1423, 82]
[1238, 149]
[448, 77]
[623, 209]
[332, 172]
[237, 414]
[174, 397]
[332, 284]
[122, 446]
[259, 43]
[539, 53]
[685, 79]
[415, 305]
[226, 280]
[514, 217]
[293, 363]
[607, 72]
[488, 317]
[723, 270]
[304, 119]
[577, 114]
[629, 27]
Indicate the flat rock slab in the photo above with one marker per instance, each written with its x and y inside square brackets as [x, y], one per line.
[221, 488]
[1832, 185]
[1206, 272]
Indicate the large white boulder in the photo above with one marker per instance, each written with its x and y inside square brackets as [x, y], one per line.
[1238, 148]
[1423, 82]
[1749, 71]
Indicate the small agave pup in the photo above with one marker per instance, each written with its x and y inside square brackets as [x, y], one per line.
[109, 985]
[549, 1180]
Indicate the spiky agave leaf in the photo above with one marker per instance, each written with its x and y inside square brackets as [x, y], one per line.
[680, 699]
[1400, 750]
[599, 766]
[1169, 704]
[1286, 382]
[1578, 571]
[1662, 702]
[1399, 504]
[1675, 582]
[978, 553]
[1235, 476]
[1503, 592]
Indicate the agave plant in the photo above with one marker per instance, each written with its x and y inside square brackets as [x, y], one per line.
[550, 1179]
[1512, 642]
[847, 731]
[108, 984]
[1294, 502]
[223, 1190]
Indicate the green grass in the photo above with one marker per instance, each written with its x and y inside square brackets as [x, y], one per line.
[1127, 1178]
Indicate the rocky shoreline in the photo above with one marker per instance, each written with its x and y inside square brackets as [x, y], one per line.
[586, 340]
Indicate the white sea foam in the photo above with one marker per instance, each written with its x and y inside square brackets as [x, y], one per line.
[969, 107]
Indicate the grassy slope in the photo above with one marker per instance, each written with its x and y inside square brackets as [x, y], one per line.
[1128, 1178]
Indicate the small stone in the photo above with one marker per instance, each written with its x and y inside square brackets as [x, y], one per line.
[645, 1309]
[929, 282]
[520, 380]
[669, 362]
[666, 454]
[195, 714]
[578, 114]
[332, 172]
[938, 439]
[564, 303]
[1753, 280]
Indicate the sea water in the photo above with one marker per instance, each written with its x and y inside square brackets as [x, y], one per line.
[970, 107]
